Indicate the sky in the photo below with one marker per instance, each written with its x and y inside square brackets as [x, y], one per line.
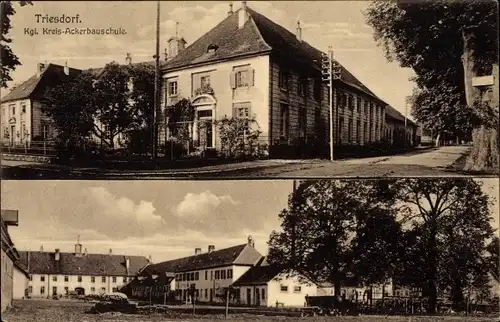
[340, 24]
[164, 219]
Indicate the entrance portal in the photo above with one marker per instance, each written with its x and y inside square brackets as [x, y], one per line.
[80, 291]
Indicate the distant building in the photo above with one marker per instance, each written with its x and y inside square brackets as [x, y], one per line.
[79, 272]
[399, 130]
[14, 278]
[22, 118]
[264, 285]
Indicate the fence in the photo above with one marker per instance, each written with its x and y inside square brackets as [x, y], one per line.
[37, 148]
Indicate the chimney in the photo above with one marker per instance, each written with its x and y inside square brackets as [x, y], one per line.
[127, 264]
[110, 251]
[211, 248]
[150, 259]
[78, 247]
[41, 249]
[230, 12]
[242, 15]
[197, 251]
[251, 242]
[85, 251]
[39, 69]
[28, 264]
[66, 69]
[299, 31]
[57, 255]
[128, 59]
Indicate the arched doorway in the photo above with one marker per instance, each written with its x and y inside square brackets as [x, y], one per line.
[204, 127]
[80, 291]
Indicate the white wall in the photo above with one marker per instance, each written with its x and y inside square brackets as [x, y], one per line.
[6, 281]
[20, 284]
[20, 118]
[99, 287]
[220, 74]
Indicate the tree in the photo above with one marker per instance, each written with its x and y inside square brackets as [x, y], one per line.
[337, 232]
[9, 59]
[449, 222]
[238, 136]
[446, 44]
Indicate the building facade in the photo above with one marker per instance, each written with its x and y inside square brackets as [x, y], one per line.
[14, 277]
[59, 273]
[250, 67]
[23, 120]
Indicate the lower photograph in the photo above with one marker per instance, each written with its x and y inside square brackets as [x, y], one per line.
[406, 249]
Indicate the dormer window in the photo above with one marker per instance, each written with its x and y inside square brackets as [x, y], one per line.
[212, 48]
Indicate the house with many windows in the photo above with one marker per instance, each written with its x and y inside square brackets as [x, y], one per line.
[59, 273]
[250, 67]
[23, 120]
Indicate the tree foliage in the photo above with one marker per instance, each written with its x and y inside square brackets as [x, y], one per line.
[337, 232]
[446, 44]
[238, 136]
[9, 59]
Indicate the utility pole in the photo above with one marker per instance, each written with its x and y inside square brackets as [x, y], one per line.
[329, 72]
[154, 134]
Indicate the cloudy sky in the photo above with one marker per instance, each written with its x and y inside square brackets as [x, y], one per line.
[164, 219]
[340, 24]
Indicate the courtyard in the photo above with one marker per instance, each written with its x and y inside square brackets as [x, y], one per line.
[74, 310]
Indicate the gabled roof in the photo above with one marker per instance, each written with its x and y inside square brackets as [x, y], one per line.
[89, 264]
[259, 274]
[391, 112]
[259, 35]
[96, 72]
[236, 255]
[36, 83]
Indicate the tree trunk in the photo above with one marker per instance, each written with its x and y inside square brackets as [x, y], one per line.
[484, 155]
[432, 285]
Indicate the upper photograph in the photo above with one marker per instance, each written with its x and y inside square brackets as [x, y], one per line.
[257, 89]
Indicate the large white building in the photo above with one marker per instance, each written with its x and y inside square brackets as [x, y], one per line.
[61, 273]
[209, 275]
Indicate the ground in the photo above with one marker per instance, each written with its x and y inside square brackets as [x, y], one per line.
[68, 311]
[444, 161]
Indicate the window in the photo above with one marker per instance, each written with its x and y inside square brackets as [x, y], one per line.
[297, 289]
[212, 48]
[366, 108]
[66, 278]
[302, 89]
[242, 78]
[302, 121]
[79, 279]
[66, 289]
[217, 274]
[341, 129]
[184, 277]
[54, 278]
[284, 120]
[103, 279]
[263, 294]
[92, 279]
[339, 99]
[223, 274]
[172, 88]
[211, 275]
[197, 276]
[284, 288]
[317, 89]
[31, 277]
[192, 276]
[42, 278]
[358, 131]
[230, 273]
[206, 293]
[351, 102]
[42, 290]
[114, 279]
[358, 106]
[54, 289]
[115, 289]
[283, 79]
[30, 289]
[349, 131]
[92, 289]
[124, 280]
[206, 276]
[13, 107]
[103, 289]
[205, 81]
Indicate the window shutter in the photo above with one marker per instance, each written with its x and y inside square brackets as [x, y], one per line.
[252, 77]
[232, 80]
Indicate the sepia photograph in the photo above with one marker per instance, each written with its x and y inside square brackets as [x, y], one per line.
[264, 89]
[251, 250]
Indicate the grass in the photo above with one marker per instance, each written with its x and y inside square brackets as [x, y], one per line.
[68, 311]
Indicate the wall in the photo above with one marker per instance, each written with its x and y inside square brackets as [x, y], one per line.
[73, 283]
[395, 130]
[20, 119]
[210, 283]
[39, 119]
[220, 73]
[20, 284]
[7, 282]
[290, 298]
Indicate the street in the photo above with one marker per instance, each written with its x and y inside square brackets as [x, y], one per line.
[427, 162]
